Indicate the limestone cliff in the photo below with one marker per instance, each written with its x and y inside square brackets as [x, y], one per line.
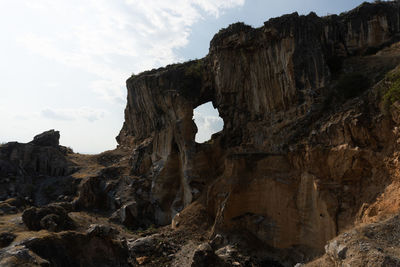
[305, 170]
[298, 160]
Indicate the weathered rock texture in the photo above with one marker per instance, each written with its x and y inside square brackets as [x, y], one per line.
[38, 171]
[296, 163]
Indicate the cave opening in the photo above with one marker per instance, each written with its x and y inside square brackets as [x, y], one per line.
[208, 122]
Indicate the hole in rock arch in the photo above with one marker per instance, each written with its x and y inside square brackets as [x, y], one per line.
[208, 122]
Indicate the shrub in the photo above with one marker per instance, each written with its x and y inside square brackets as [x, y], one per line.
[195, 69]
[392, 95]
[393, 92]
[192, 79]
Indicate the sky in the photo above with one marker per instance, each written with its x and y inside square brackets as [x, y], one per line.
[64, 63]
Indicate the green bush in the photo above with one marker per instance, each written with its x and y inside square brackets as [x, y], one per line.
[192, 79]
[393, 93]
[195, 70]
[351, 85]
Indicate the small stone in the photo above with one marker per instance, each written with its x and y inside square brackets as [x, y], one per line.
[6, 239]
[142, 260]
[143, 244]
[217, 241]
[204, 256]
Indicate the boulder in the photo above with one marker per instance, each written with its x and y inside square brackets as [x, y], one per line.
[6, 238]
[48, 138]
[101, 230]
[127, 215]
[52, 218]
[204, 256]
[144, 244]
[6, 208]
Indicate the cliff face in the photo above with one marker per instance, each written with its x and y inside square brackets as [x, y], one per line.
[296, 163]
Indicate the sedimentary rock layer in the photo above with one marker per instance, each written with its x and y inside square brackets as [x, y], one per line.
[289, 167]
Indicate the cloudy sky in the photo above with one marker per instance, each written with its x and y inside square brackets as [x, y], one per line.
[64, 63]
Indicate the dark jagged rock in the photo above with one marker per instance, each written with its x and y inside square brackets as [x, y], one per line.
[204, 256]
[310, 149]
[77, 249]
[39, 170]
[104, 231]
[48, 138]
[53, 218]
[6, 239]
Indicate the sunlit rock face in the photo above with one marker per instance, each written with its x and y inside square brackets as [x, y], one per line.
[289, 167]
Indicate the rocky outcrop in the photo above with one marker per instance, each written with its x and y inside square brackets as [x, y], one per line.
[42, 156]
[53, 218]
[38, 171]
[77, 249]
[296, 157]
[6, 239]
[370, 245]
[305, 167]
[48, 138]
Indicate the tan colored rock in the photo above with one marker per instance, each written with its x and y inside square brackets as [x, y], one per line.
[297, 162]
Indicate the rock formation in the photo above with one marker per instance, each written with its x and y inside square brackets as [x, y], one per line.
[297, 159]
[37, 171]
[305, 169]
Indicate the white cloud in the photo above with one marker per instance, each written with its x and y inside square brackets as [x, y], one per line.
[65, 46]
[214, 7]
[93, 35]
[86, 113]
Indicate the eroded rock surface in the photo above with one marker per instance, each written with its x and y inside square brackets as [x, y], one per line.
[53, 218]
[299, 155]
[305, 170]
[38, 171]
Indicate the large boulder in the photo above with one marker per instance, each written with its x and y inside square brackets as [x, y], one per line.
[6, 238]
[101, 230]
[204, 256]
[53, 218]
[48, 138]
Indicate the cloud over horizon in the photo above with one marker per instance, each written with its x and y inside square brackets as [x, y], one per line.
[96, 36]
[86, 113]
[65, 62]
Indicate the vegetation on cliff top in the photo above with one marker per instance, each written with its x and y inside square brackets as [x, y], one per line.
[195, 69]
[191, 81]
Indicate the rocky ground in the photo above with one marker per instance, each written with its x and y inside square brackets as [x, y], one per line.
[305, 171]
[92, 216]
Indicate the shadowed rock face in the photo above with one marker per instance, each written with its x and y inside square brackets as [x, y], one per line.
[287, 167]
[38, 170]
[49, 138]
